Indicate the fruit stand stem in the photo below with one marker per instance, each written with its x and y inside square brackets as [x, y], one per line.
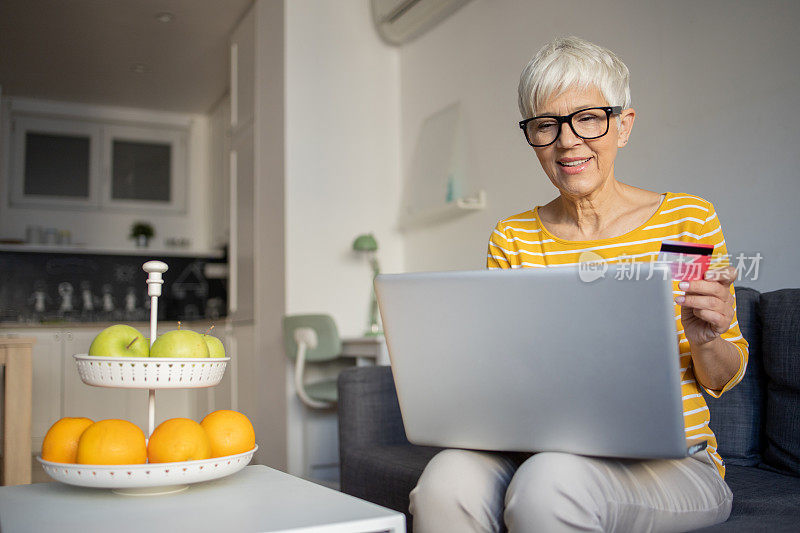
[151, 411]
[154, 270]
[151, 393]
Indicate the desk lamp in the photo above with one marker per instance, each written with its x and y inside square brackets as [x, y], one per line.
[368, 245]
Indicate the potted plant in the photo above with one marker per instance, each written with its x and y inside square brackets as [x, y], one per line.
[142, 232]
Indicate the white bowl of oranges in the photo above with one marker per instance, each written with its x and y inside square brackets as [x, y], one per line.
[114, 454]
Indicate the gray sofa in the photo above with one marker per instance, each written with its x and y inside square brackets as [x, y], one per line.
[757, 425]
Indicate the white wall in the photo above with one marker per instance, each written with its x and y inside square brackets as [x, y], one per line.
[342, 174]
[342, 166]
[715, 85]
[218, 222]
[110, 228]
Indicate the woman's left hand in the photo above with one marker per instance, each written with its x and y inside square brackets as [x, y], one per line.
[707, 307]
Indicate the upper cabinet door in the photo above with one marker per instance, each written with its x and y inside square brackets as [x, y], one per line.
[243, 74]
[55, 162]
[145, 168]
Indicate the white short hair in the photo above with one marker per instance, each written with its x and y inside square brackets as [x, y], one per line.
[568, 62]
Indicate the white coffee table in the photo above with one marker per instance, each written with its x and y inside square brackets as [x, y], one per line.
[255, 499]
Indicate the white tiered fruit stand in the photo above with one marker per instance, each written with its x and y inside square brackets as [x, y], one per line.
[149, 373]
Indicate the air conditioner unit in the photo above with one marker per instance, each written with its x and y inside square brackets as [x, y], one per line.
[399, 21]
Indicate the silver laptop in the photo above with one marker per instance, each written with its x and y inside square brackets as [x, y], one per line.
[546, 359]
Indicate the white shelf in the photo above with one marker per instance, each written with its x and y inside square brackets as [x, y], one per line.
[80, 249]
[450, 210]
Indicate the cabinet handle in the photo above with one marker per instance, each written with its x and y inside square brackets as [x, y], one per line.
[57, 336]
[69, 336]
[233, 244]
[234, 85]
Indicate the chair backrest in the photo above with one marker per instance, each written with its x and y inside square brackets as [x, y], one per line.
[329, 345]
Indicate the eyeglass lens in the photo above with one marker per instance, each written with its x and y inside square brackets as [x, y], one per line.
[588, 124]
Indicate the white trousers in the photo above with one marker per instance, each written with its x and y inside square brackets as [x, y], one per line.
[463, 491]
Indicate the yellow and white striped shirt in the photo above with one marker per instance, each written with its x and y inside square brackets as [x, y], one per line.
[520, 241]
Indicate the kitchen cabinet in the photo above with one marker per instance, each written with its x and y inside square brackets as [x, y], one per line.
[243, 78]
[59, 148]
[76, 161]
[242, 224]
[242, 166]
[47, 382]
[219, 141]
[58, 390]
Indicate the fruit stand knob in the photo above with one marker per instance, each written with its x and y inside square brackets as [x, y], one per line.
[154, 270]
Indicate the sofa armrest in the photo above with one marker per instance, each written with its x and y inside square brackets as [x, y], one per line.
[369, 414]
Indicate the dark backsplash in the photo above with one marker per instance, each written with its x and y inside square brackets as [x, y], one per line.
[43, 287]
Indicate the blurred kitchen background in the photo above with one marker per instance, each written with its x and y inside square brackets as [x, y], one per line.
[49, 288]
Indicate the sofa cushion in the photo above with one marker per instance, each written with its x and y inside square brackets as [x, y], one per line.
[780, 348]
[762, 501]
[736, 416]
[385, 474]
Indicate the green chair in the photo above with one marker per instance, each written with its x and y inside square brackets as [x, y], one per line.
[312, 339]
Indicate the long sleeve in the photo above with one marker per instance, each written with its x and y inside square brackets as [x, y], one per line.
[712, 234]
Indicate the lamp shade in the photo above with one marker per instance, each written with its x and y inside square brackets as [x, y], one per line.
[365, 243]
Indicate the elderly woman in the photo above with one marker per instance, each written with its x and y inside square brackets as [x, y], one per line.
[575, 101]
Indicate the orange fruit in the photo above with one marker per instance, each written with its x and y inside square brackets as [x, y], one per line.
[178, 439]
[112, 442]
[60, 444]
[230, 432]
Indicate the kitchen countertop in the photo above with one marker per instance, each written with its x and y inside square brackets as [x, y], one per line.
[191, 324]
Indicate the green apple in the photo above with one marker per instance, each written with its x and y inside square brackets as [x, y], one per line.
[179, 343]
[215, 347]
[120, 341]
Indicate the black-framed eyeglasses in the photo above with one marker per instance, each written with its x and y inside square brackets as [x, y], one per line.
[590, 123]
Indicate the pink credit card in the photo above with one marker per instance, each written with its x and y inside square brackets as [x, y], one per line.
[688, 261]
